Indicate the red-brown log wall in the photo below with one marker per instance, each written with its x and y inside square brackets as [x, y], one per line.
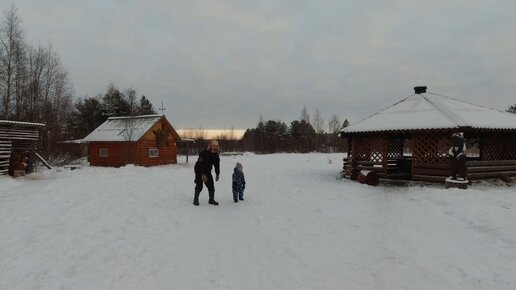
[167, 154]
[119, 153]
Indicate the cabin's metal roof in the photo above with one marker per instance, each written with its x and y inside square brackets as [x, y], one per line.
[120, 129]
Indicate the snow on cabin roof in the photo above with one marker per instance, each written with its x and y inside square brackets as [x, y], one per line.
[433, 111]
[116, 129]
[24, 124]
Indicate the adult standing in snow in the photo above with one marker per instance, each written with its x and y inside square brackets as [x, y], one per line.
[210, 159]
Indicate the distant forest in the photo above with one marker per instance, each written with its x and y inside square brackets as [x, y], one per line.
[304, 135]
[307, 134]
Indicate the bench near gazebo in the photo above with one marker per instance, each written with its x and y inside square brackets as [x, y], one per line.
[410, 139]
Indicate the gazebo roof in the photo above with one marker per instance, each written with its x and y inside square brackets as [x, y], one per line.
[427, 111]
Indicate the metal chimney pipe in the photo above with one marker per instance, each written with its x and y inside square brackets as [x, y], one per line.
[420, 89]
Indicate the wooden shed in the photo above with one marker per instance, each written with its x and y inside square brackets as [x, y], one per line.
[410, 139]
[18, 146]
[141, 140]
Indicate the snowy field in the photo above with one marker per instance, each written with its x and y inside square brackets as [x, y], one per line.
[300, 227]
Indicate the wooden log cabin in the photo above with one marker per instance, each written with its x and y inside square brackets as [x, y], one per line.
[410, 139]
[141, 140]
[18, 147]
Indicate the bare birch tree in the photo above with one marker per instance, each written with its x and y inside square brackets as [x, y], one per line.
[334, 126]
[318, 124]
[11, 42]
[304, 115]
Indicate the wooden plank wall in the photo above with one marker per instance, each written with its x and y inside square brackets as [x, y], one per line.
[119, 153]
[16, 140]
[167, 154]
[5, 155]
[18, 133]
[491, 169]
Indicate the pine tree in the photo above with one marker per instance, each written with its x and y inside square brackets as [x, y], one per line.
[86, 117]
[114, 103]
[302, 135]
[145, 107]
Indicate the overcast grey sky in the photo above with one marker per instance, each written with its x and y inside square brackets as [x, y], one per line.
[223, 63]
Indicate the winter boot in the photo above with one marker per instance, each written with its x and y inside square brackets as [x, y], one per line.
[212, 198]
[241, 198]
[235, 200]
[196, 197]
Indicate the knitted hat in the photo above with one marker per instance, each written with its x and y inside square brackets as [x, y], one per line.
[213, 142]
[238, 164]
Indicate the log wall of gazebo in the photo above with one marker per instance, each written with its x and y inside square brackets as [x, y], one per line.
[383, 153]
[430, 155]
[497, 156]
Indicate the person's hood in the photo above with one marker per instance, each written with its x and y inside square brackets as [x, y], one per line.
[213, 142]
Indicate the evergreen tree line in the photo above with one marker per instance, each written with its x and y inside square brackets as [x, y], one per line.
[35, 87]
[303, 135]
[90, 112]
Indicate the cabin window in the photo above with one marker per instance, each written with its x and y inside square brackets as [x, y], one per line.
[153, 152]
[104, 152]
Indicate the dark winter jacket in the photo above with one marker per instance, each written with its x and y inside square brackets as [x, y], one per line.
[200, 165]
[199, 168]
[211, 160]
[238, 180]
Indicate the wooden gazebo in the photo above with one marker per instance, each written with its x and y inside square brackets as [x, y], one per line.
[410, 139]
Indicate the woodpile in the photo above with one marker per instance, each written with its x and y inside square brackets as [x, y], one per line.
[368, 177]
[18, 145]
[19, 165]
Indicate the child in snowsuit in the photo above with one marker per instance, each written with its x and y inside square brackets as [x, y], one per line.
[238, 182]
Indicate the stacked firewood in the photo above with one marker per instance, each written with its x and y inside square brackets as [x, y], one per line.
[368, 177]
[18, 165]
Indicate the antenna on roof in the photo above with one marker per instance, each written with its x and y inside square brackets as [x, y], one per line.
[162, 109]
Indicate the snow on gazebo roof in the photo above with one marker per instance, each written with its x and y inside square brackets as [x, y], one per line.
[117, 129]
[433, 111]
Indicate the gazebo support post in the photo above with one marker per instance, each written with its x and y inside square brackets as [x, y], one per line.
[384, 160]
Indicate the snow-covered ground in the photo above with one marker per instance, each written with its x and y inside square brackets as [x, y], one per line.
[300, 227]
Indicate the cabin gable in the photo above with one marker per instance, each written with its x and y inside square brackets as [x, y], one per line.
[160, 140]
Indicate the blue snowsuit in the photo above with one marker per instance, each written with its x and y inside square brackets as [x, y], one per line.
[238, 184]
